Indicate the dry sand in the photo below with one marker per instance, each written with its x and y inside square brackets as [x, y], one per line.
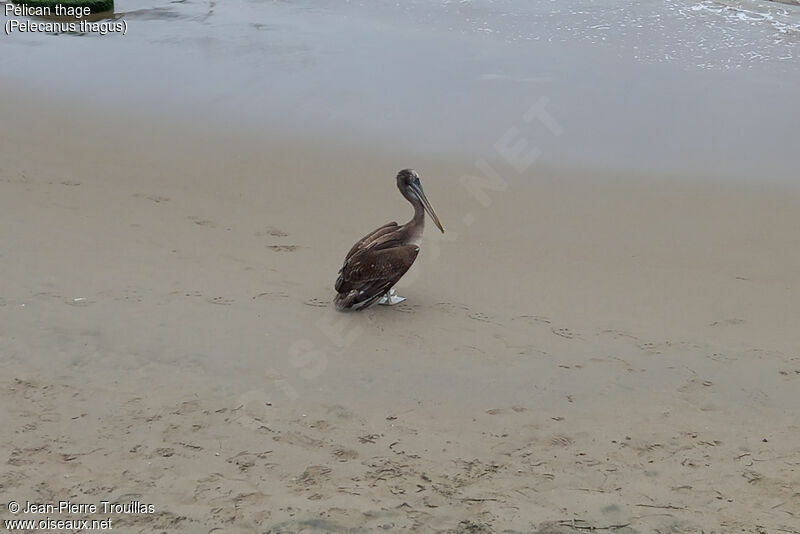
[591, 353]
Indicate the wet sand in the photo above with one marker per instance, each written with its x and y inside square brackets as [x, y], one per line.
[591, 352]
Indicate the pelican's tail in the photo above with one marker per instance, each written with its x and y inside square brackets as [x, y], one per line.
[355, 300]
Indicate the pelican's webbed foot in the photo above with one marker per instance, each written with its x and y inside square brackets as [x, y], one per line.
[391, 298]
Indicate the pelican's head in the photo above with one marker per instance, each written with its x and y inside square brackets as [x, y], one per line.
[409, 184]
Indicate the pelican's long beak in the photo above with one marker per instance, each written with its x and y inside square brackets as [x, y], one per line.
[417, 189]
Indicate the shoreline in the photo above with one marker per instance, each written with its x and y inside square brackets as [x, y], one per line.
[181, 130]
[680, 99]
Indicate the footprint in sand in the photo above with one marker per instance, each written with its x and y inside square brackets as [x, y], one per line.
[345, 455]
[313, 475]
[70, 183]
[317, 303]
[245, 460]
[275, 232]
[320, 424]
[653, 348]
[282, 248]
[368, 438]
[20, 457]
[566, 333]
[153, 198]
[695, 384]
[200, 221]
[561, 440]
[478, 316]
[30, 427]
[222, 301]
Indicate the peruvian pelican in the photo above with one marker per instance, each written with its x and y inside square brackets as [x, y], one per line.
[379, 259]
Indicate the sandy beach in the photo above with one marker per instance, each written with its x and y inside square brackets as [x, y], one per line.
[583, 353]
[605, 340]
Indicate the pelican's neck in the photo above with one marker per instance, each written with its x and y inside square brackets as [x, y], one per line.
[415, 226]
[419, 213]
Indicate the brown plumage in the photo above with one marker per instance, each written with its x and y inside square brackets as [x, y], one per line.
[379, 259]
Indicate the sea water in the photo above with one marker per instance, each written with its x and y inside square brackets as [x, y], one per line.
[703, 87]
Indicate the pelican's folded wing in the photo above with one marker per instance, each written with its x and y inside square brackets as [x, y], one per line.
[386, 266]
[368, 239]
